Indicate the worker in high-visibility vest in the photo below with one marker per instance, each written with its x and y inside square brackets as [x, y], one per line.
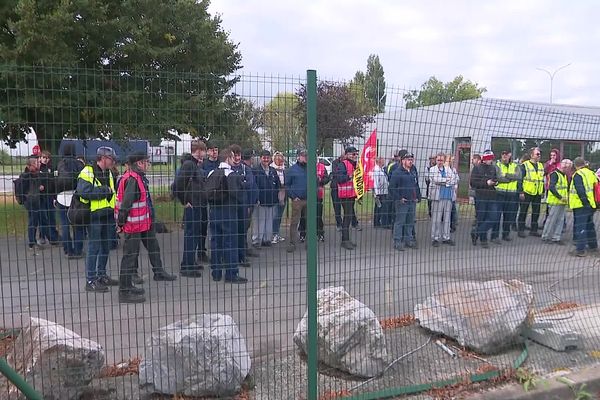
[558, 198]
[509, 174]
[581, 201]
[531, 189]
[96, 187]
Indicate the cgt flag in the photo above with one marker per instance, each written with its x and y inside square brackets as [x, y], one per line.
[363, 179]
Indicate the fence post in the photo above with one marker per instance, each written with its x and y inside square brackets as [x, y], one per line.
[28, 391]
[311, 232]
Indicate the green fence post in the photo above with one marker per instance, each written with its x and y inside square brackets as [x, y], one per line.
[18, 381]
[311, 232]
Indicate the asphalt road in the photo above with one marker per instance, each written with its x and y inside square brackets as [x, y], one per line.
[270, 306]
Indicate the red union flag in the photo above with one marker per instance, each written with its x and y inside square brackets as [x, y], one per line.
[367, 159]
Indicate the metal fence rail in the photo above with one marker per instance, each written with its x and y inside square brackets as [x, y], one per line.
[390, 276]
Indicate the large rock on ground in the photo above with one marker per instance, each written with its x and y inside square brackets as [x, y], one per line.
[350, 337]
[56, 361]
[200, 356]
[484, 316]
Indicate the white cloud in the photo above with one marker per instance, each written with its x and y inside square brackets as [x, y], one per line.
[498, 44]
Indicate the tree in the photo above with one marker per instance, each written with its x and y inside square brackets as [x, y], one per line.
[281, 122]
[434, 91]
[375, 83]
[340, 116]
[372, 84]
[112, 69]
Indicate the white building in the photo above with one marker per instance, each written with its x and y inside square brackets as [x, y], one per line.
[472, 126]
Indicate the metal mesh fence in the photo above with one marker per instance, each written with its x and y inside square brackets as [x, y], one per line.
[426, 286]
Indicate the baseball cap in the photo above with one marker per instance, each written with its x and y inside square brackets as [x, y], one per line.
[487, 155]
[301, 152]
[350, 149]
[247, 154]
[106, 151]
[408, 154]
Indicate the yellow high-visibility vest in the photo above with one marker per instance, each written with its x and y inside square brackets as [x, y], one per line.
[87, 174]
[562, 189]
[511, 168]
[533, 181]
[589, 180]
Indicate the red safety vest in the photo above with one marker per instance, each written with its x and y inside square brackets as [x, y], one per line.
[346, 189]
[139, 219]
[321, 171]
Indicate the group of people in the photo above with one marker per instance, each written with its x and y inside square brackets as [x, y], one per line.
[505, 191]
[224, 194]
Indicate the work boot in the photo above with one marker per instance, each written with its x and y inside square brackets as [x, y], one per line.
[129, 296]
[164, 276]
[108, 281]
[346, 244]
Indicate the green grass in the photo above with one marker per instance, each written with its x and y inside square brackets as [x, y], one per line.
[13, 217]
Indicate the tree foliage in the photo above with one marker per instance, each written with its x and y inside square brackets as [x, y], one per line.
[372, 83]
[282, 123]
[434, 91]
[340, 114]
[103, 68]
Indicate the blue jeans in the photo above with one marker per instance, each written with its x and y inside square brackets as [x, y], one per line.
[74, 246]
[192, 230]
[584, 232]
[279, 209]
[487, 217]
[404, 223]
[99, 236]
[223, 241]
[48, 219]
[34, 221]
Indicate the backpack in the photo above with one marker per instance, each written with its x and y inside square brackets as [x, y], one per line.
[215, 187]
[19, 190]
[597, 193]
[178, 187]
[67, 175]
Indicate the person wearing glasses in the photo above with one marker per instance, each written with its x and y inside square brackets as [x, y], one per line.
[530, 190]
[96, 187]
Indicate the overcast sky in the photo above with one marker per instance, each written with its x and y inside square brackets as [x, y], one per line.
[498, 44]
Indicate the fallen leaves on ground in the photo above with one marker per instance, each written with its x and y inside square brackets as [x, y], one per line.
[397, 322]
[243, 395]
[595, 353]
[564, 305]
[130, 367]
[5, 344]
[331, 395]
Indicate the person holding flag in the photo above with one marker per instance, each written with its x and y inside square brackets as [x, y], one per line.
[347, 176]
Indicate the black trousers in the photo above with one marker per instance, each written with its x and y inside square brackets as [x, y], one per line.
[535, 202]
[348, 209]
[131, 252]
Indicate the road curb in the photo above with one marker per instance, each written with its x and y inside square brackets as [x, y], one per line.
[550, 387]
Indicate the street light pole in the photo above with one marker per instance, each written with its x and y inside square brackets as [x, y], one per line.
[551, 75]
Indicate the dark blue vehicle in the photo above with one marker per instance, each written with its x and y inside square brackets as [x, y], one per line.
[87, 147]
